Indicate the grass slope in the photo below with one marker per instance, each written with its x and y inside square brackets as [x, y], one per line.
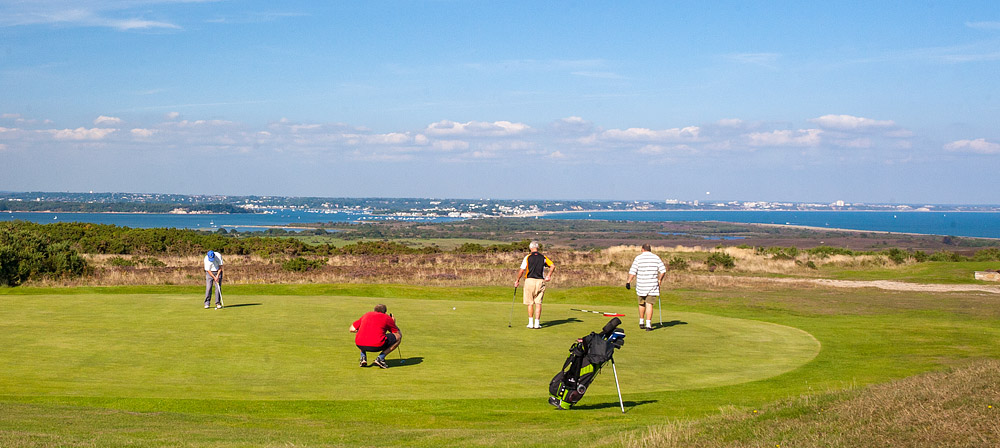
[285, 394]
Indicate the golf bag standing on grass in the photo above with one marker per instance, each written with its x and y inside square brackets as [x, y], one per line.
[586, 357]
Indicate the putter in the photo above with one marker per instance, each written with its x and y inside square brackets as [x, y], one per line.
[218, 286]
[511, 318]
[659, 299]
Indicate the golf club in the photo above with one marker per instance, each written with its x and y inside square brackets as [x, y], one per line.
[511, 318]
[603, 313]
[659, 299]
[401, 360]
[218, 286]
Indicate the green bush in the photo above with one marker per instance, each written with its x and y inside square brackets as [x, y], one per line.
[678, 264]
[301, 264]
[26, 253]
[826, 251]
[121, 262]
[720, 259]
[991, 254]
[898, 256]
[946, 256]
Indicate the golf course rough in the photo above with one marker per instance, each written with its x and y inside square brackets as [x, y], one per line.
[299, 348]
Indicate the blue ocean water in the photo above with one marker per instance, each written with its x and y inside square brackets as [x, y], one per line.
[969, 224]
[241, 222]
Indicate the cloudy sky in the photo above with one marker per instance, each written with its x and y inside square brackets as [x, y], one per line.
[887, 101]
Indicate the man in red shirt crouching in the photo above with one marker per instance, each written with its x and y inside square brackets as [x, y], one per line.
[376, 332]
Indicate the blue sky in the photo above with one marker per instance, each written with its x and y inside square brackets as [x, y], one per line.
[785, 101]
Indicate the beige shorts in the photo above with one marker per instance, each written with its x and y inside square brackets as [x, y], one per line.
[534, 289]
[650, 299]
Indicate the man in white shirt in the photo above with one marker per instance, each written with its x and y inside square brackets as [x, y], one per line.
[647, 271]
[213, 276]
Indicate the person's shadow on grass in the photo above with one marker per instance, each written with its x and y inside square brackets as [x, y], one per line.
[629, 405]
[552, 323]
[672, 323]
[404, 362]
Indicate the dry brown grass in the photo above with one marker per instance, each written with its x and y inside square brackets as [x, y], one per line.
[573, 269]
[959, 408]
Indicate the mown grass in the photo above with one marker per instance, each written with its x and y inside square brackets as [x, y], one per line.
[959, 272]
[867, 337]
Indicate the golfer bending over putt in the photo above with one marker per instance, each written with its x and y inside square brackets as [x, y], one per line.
[376, 332]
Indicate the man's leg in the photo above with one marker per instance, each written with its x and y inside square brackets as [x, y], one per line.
[538, 315]
[392, 342]
[649, 316]
[208, 289]
[399, 338]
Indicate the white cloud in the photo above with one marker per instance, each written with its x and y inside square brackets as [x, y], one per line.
[802, 137]
[450, 145]
[977, 146]
[172, 115]
[107, 120]
[644, 134]
[730, 122]
[850, 122]
[143, 133]
[10, 116]
[3, 147]
[87, 14]
[82, 133]
[476, 128]
[557, 155]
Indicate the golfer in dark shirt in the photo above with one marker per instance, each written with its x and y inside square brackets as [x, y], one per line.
[533, 269]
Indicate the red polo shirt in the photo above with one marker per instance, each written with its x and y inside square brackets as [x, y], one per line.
[372, 328]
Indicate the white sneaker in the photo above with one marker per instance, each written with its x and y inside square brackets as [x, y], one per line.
[207, 306]
[530, 326]
[537, 325]
[218, 307]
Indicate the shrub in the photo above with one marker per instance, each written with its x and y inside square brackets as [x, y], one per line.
[946, 256]
[991, 254]
[26, 253]
[301, 264]
[720, 259]
[678, 264]
[898, 256]
[826, 251]
[121, 262]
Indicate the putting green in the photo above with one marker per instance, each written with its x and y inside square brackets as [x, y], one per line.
[295, 347]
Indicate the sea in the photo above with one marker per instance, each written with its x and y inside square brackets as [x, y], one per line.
[968, 224]
[213, 222]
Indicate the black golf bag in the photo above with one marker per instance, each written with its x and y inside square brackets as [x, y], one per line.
[586, 357]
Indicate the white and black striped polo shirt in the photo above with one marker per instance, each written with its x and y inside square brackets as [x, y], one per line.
[647, 267]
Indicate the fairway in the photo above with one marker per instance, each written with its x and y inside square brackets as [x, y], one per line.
[298, 348]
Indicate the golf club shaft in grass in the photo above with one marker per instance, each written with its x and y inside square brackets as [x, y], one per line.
[622, 403]
[510, 320]
[218, 286]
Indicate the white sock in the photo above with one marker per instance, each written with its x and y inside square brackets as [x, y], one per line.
[537, 322]
[649, 324]
[531, 321]
[640, 321]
